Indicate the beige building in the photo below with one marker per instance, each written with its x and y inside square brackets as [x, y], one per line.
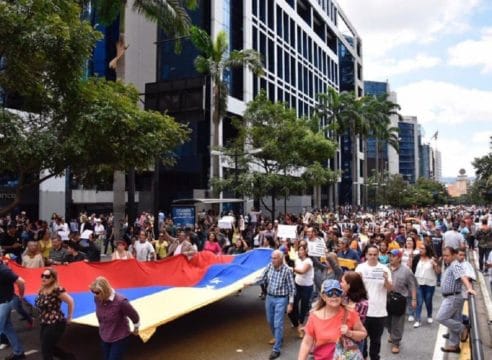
[460, 186]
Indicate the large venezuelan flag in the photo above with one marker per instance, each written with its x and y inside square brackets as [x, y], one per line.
[160, 291]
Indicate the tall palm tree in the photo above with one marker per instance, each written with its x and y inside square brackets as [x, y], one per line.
[378, 111]
[343, 114]
[214, 60]
[169, 15]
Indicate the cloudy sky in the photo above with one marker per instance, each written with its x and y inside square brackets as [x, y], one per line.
[437, 56]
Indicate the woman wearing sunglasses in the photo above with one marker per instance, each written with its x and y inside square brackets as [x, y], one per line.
[53, 321]
[113, 311]
[328, 322]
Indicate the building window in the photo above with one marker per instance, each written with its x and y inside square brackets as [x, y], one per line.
[262, 6]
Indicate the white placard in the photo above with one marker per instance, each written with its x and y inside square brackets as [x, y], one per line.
[226, 222]
[287, 231]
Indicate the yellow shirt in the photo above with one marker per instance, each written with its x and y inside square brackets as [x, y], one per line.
[393, 245]
[45, 247]
[161, 248]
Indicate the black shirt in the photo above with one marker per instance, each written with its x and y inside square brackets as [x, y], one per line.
[69, 258]
[7, 280]
[7, 240]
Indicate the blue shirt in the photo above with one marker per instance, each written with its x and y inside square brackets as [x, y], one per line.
[349, 254]
[279, 282]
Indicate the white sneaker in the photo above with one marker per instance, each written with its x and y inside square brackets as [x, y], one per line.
[417, 324]
[3, 346]
[429, 321]
[411, 318]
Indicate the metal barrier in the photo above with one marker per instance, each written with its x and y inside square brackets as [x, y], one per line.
[476, 344]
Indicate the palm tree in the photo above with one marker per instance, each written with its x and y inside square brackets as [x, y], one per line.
[343, 114]
[214, 59]
[378, 111]
[169, 15]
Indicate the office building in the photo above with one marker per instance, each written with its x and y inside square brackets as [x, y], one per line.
[409, 162]
[388, 158]
[303, 44]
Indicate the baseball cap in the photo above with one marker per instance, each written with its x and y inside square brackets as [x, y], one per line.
[330, 284]
[396, 252]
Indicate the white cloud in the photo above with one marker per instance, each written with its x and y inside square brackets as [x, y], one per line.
[473, 52]
[462, 116]
[386, 68]
[445, 103]
[458, 154]
[387, 24]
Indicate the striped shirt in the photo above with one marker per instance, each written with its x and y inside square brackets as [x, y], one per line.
[279, 282]
[451, 279]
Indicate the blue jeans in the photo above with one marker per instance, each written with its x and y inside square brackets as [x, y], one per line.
[114, 350]
[7, 328]
[275, 312]
[424, 295]
[17, 306]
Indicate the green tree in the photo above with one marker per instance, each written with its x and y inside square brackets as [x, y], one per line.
[108, 132]
[483, 172]
[214, 60]
[378, 110]
[44, 46]
[342, 115]
[169, 15]
[292, 157]
[43, 50]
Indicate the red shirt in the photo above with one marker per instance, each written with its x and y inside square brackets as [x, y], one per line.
[325, 331]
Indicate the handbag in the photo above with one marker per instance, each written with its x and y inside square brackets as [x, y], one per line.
[396, 303]
[346, 348]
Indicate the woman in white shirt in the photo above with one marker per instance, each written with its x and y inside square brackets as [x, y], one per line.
[304, 279]
[426, 273]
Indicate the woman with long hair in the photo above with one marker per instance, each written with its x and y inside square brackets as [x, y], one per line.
[53, 321]
[426, 271]
[304, 277]
[211, 244]
[328, 322]
[113, 311]
[333, 269]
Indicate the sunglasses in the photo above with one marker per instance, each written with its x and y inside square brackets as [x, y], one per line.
[45, 276]
[333, 293]
[95, 292]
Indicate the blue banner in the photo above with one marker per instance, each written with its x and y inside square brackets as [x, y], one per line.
[184, 216]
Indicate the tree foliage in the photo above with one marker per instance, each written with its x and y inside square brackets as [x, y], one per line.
[277, 153]
[393, 190]
[93, 126]
[43, 49]
[483, 181]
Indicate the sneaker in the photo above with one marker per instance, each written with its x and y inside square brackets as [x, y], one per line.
[274, 355]
[417, 324]
[3, 346]
[429, 321]
[15, 356]
[395, 349]
[411, 318]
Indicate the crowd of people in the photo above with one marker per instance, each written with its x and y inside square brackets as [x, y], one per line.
[380, 267]
[361, 272]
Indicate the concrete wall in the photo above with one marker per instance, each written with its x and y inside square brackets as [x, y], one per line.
[51, 196]
[140, 57]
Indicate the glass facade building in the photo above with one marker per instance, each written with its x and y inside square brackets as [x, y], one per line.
[409, 155]
[301, 48]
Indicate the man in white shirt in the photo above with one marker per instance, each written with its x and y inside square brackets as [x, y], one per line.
[454, 239]
[317, 252]
[377, 279]
[143, 249]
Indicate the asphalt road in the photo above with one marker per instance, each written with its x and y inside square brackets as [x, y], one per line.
[233, 328]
